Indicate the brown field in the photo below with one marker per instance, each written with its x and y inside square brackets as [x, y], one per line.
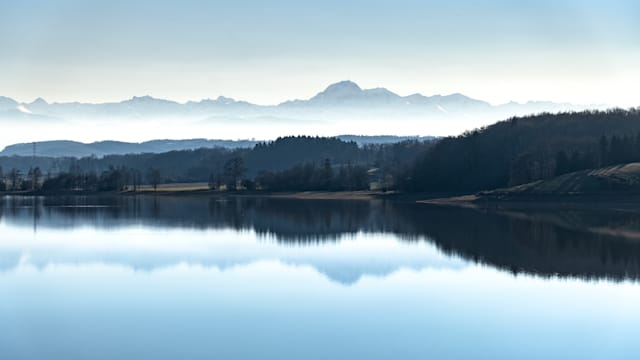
[611, 187]
[181, 187]
[198, 188]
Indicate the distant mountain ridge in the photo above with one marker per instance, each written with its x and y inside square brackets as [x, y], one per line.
[65, 148]
[348, 93]
[341, 108]
[336, 97]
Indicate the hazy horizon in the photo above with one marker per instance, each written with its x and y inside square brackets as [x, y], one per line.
[581, 52]
[294, 98]
[339, 109]
[569, 52]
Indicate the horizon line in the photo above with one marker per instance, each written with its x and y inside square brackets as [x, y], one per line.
[148, 95]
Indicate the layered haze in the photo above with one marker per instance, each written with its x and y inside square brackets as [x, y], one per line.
[137, 71]
[342, 108]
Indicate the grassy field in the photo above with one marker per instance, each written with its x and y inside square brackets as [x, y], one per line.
[623, 178]
[181, 187]
[194, 188]
[611, 187]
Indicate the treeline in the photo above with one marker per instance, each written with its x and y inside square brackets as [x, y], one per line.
[607, 151]
[289, 163]
[315, 177]
[113, 179]
[525, 149]
[287, 152]
[512, 152]
[15, 180]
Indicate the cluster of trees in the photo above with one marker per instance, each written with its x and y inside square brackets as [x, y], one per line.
[302, 177]
[285, 158]
[315, 177]
[15, 180]
[232, 176]
[113, 179]
[608, 150]
[525, 149]
[290, 151]
[74, 180]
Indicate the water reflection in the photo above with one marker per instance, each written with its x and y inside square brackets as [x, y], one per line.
[246, 278]
[585, 244]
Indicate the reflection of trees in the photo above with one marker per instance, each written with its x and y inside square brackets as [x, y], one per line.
[532, 243]
[585, 244]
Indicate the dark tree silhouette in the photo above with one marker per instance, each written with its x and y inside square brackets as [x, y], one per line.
[154, 178]
[233, 171]
[14, 179]
[526, 149]
[35, 175]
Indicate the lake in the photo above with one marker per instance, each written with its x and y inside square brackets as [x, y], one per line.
[259, 278]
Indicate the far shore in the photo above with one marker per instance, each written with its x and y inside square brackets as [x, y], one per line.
[202, 189]
[193, 190]
[308, 195]
[603, 201]
[619, 200]
[181, 192]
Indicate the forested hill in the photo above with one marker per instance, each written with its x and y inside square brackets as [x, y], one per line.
[201, 164]
[63, 148]
[511, 152]
[526, 149]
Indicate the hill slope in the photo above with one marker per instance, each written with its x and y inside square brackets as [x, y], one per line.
[526, 149]
[63, 148]
[623, 178]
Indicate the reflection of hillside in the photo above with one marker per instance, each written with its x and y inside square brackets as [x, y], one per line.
[625, 225]
[534, 243]
[584, 244]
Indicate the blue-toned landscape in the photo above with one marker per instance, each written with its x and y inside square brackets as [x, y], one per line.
[337, 179]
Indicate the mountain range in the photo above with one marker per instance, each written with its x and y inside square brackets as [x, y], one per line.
[341, 108]
[341, 97]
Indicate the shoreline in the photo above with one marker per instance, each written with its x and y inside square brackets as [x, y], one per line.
[614, 201]
[610, 201]
[302, 195]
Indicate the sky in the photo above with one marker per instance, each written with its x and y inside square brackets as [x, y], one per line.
[585, 52]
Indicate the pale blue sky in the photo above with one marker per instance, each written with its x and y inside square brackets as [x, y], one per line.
[270, 51]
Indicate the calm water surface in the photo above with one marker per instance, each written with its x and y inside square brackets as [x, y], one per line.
[211, 278]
